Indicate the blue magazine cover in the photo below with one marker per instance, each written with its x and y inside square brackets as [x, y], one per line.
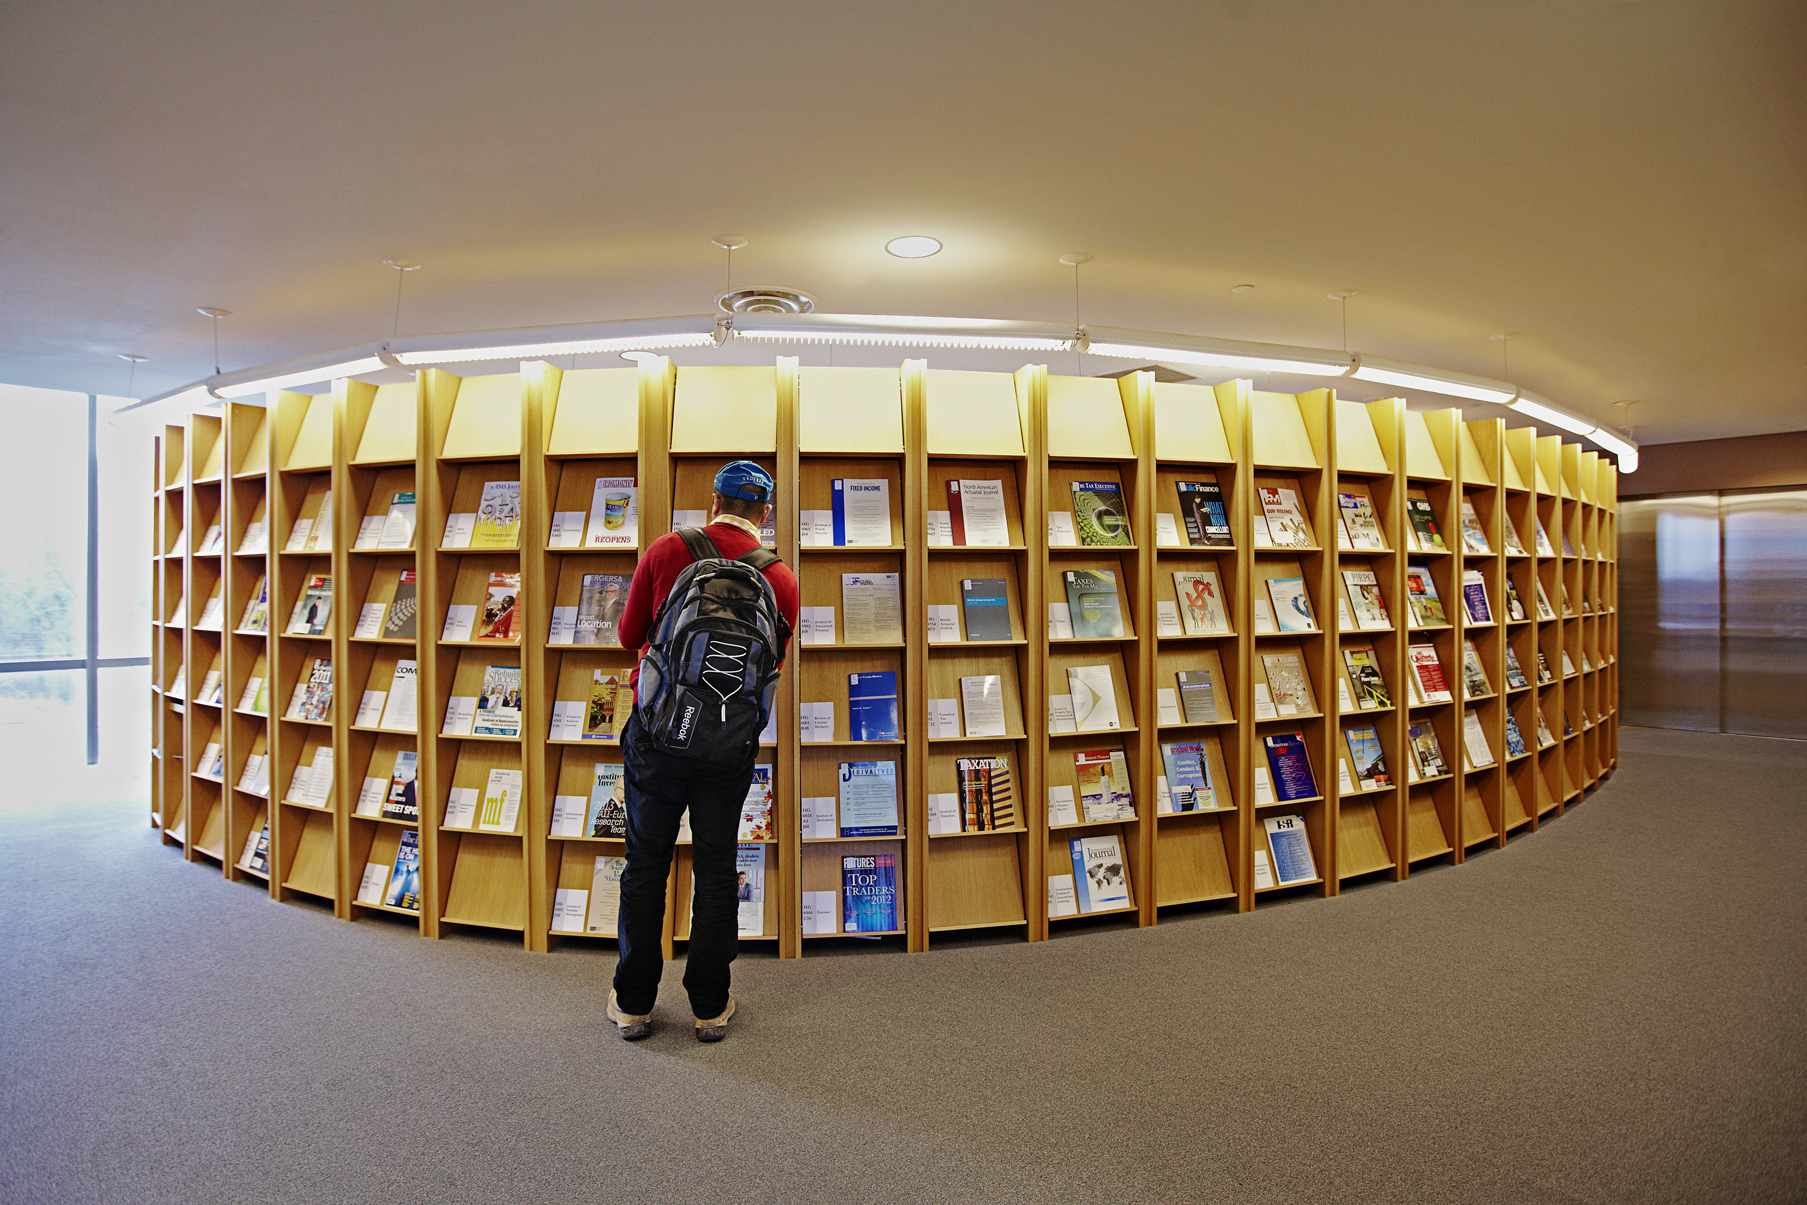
[872, 706]
[868, 893]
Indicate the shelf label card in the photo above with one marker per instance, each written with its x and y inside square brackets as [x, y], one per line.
[1264, 787]
[370, 887]
[1167, 706]
[815, 625]
[568, 815]
[567, 720]
[1163, 796]
[370, 622]
[370, 709]
[1060, 621]
[1167, 531]
[567, 529]
[460, 715]
[370, 797]
[1167, 618]
[320, 778]
[256, 538]
[370, 530]
[770, 735]
[1062, 900]
[1264, 617]
[459, 620]
[1061, 808]
[1343, 701]
[1264, 703]
[1264, 873]
[460, 808]
[689, 518]
[821, 912]
[564, 626]
[941, 529]
[1343, 621]
[1061, 532]
[815, 722]
[944, 623]
[1060, 714]
[1343, 782]
[815, 528]
[568, 907]
[458, 530]
[944, 813]
[944, 718]
[298, 535]
[819, 820]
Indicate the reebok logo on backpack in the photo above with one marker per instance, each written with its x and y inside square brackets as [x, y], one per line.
[711, 665]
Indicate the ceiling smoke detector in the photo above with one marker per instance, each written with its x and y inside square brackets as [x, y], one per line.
[765, 299]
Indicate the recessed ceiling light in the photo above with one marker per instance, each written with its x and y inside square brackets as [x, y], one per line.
[1242, 288]
[637, 356]
[913, 246]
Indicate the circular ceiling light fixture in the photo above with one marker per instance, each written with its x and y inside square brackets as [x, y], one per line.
[913, 246]
[637, 356]
[766, 299]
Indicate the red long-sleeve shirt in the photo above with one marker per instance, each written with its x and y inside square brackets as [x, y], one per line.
[665, 558]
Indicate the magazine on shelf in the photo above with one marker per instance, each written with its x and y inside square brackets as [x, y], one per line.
[1202, 508]
[1474, 675]
[498, 516]
[499, 703]
[1094, 698]
[1364, 672]
[1188, 775]
[501, 617]
[614, 514]
[1104, 787]
[1421, 598]
[976, 514]
[1291, 768]
[986, 801]
[1099, 514]
[1427, 755]
[1474, 536]
[1428, 672]
[869, 893]
[1426, 535]
[1369, 605]
[868, 799]
[1201, 603]
[1367, 762]
[985, 604]
[1474, 597]
[601, 598]
[399, 799]
[1289, 689]
[399, 620]
[1292, 605]
[1361, 523]
[314, 609]
[1092, 604]
[1286, 836]
[1287, 526]
[1100, 876]
[606, 815]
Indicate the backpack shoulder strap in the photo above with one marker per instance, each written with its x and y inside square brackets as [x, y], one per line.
[759, 558]
[702, 547]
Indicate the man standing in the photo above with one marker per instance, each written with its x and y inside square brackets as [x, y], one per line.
[661, 784]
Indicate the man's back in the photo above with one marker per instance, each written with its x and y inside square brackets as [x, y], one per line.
[666, 557]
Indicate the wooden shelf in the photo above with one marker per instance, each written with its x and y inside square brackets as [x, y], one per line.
[346, 454]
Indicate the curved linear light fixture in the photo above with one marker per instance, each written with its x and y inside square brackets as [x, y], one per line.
[885, 330]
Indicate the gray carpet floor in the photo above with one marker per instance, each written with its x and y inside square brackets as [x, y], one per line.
[1608, 1010]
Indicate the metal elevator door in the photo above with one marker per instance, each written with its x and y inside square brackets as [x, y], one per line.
[1713, 612]
[1763, 686]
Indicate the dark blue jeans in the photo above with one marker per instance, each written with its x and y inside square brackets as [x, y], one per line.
[660, 786]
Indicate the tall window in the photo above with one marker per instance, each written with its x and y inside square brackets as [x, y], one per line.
[74, 589]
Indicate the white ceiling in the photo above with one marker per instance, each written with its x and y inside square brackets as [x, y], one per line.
[1622, 181]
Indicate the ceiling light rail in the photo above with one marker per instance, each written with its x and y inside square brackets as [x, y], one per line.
[885, 330]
